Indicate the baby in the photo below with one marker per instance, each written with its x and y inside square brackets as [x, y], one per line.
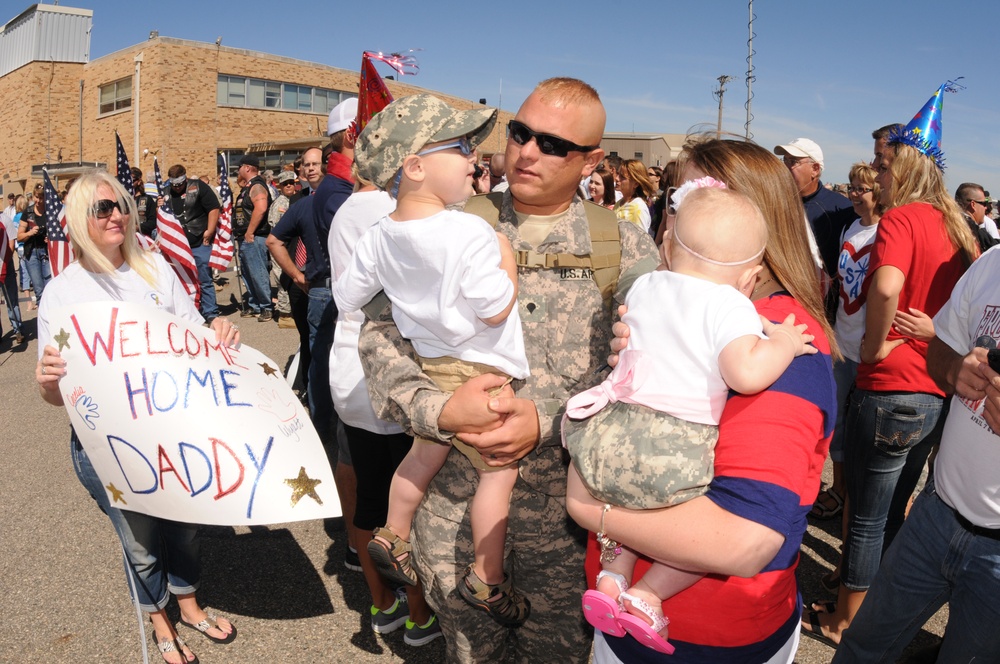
[645, 437]
[452, 282]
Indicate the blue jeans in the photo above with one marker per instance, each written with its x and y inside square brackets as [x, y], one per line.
[891, 434]
[39, 270]
[151, 544]
[23, 269]
[844, 373]
[253, 259]
[209, 308]
[322, 316]
[934, 560]
[11, 295]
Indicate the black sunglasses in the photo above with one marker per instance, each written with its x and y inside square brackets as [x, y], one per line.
[547, 143]
[105, 207]
[986, 204]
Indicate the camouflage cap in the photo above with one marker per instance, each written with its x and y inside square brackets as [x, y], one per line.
[406, 125]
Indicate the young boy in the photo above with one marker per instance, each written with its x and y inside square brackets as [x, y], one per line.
[644, 438]
[452, 282]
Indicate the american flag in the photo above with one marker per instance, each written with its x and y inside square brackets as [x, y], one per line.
[60, 251]
[124, 170]
[173, 242]
[222, 248]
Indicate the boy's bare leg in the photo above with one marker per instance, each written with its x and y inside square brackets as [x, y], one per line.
[409, 484]
[488, 514]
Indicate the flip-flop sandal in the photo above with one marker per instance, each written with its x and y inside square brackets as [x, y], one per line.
[820, 607]
[602, 613]
[823, 512]
[814, 630]
[167, 646]
[207, 624]
[646, 634]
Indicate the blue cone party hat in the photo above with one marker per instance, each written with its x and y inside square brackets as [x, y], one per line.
[924, 130]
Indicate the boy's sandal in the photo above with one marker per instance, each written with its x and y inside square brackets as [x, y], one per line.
[504, 604]
[209, 623]
[391, 556]
[167, 646]
[640, 630]
[821, 508]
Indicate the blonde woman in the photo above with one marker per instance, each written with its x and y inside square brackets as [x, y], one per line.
[922, 247]
[637, 191]
[161, 556]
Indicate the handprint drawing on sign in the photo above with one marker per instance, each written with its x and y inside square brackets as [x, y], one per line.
[285, 411]
[86, 408]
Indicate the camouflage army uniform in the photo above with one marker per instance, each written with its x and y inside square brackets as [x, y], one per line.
[567, 328]
[274, 215]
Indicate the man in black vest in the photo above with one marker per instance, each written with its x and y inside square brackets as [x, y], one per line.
[197, 209]
[145, 205]
[250, 230]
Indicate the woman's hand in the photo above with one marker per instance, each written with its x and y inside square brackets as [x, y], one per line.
[50, 368]
[226, 332]
[876, 355]
[915, 324]
[621, 332]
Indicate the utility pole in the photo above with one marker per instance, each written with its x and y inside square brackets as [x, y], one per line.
[718, 94]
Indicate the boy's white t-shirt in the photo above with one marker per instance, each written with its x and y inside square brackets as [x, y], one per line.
[680, 324]
[75, 285]
[852, 266]
[443, 276]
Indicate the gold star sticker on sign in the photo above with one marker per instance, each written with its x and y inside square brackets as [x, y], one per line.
[268, 369]
[116, 494]
[303, 486]
[62, 339]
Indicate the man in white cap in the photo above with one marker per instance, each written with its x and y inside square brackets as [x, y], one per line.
[828, 212]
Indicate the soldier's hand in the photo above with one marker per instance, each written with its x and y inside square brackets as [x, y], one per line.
[468, 411]
[516, 436]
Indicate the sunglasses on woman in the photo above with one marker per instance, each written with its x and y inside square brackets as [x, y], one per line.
[547, 143]
[105, 207]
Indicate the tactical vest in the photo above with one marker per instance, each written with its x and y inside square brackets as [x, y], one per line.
[243, 210]
[605, 257]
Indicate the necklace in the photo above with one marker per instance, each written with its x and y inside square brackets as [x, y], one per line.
[761, 285]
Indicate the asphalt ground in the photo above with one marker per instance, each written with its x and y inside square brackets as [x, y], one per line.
[63, 594]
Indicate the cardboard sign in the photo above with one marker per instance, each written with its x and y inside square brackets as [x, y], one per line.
[181, 427]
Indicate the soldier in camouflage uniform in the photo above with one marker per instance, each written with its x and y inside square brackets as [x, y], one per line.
[567, 327]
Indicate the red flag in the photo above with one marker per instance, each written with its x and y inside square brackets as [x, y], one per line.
[222, 247]
[173, 241]
[373, 95]
[56, 234]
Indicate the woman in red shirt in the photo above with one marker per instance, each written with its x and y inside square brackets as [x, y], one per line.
[895, 414]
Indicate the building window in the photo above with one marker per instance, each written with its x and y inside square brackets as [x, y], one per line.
[116, 96]
[244, 92]
[638, 155]
[232, 91]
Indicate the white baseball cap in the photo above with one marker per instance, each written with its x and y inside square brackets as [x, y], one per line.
[801, 147]
[342, 116]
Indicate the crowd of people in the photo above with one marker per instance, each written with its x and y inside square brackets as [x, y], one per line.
[642, 370]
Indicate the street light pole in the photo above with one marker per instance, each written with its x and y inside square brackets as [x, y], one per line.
[719, 94]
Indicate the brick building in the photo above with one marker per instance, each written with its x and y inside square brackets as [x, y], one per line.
[179, 100]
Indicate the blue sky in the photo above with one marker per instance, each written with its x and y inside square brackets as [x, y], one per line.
[828, 71]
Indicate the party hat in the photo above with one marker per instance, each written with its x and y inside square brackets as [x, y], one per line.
[924, 130]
